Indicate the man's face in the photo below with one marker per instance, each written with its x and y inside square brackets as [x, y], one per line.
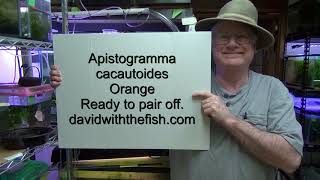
[233, 44]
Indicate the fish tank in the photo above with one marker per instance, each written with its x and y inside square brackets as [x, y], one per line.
[311, 116]
[30, 19]
[40, 19]
[9, 18]
[310, 128]
[307, 89]
[295, 63]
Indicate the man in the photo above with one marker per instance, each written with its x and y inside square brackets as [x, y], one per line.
[254, 130]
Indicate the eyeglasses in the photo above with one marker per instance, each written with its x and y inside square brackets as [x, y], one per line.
[241, 39]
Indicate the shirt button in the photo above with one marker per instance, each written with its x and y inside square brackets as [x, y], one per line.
[228, 104]
[225, 95]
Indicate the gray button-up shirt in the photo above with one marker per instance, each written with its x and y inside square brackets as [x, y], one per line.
[264, 102]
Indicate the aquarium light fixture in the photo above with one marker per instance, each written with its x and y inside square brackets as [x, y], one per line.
[299, 46]
[23, 9]
[312, 104]
[296, 46]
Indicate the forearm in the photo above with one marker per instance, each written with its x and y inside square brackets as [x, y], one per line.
[268, 147]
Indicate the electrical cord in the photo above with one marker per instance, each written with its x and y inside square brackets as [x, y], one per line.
[74, 28]
[125, 14]
[99, 11]
[165, 20]
[15, 67]
[156, 14]
[45, 58]
[84, 7]
[20, 72]
[27, 68]
[138, 25]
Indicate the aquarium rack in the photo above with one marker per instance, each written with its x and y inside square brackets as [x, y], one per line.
[309, 92]
[28, 153]
[300, 37]
[24, 43]
[311, 55]
[303, 90]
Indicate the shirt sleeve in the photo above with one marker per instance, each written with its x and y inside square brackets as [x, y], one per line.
[282, 118]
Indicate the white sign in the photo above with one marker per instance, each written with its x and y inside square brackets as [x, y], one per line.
[133, 90]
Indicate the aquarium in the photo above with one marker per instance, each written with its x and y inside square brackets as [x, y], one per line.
[295, 63]
[30, 19]
[9, 18]
[311, 128]
[40, 19]
[312, 104]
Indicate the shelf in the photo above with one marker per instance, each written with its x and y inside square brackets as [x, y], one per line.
[25, 154]
[24, 43]
[309, 147]
[299, 92]
[81, 22]
[308, 113]
[300, 37]
[6, 154]
[310, 55]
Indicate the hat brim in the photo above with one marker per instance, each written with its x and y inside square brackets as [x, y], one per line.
[265, 38]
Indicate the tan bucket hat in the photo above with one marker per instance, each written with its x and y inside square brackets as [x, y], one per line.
[242, 11]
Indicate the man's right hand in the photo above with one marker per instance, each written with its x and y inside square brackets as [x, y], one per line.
[55, 76]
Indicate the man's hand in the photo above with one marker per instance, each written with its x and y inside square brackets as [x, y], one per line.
[55, 76]
[215, 108]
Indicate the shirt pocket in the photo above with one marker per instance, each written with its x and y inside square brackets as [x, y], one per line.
[258, 120]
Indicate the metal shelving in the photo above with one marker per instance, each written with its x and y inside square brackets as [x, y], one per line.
[298, 91]
[24, 43]
[11, 164]
[303, 89]
[16, 159]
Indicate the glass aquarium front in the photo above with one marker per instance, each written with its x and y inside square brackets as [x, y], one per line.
[9, 17]
[312, 104]
[295, 62]
[30, 19]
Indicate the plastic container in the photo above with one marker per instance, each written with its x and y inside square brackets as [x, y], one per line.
[31, 170]
[15, 90]
[23, 138]
[24, 96]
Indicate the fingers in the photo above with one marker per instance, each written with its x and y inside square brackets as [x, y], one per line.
[54, 67]
[55, 81]
[208, 111]
[56, 78]
[208, 105]
[202, 94]
[212, 105]
[54, 84]
[55, 71]
[212, 98]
